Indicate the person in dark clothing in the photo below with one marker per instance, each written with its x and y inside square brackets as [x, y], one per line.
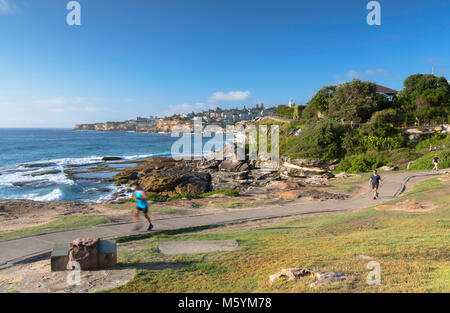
[375, 183]
[435, 163]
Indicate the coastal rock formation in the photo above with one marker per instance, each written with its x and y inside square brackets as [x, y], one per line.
[154, 126]
[305, 167]
[167, 177]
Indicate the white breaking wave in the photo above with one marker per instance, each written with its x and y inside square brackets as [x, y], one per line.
[56, 194]
[143, 156]
[77, 161]
[25, 177]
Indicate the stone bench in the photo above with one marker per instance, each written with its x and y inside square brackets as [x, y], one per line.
[107, 256]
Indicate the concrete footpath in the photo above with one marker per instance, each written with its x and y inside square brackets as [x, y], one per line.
[22, 249]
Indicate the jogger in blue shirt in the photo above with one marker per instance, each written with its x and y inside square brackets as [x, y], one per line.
[141, 204]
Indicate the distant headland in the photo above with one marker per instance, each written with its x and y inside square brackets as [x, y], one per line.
[154, 124]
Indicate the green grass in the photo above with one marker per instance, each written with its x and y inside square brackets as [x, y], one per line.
[227, 192]
[59, 223]
[424, 162]
[348, 185]
[156, 198]
[412, 249]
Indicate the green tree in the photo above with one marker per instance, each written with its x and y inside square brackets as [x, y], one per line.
[354, 101]
[319, 103]
[426, 97]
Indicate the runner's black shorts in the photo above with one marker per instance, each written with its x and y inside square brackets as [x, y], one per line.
[143, 210]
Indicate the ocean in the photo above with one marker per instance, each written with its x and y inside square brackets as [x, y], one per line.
[63, 164]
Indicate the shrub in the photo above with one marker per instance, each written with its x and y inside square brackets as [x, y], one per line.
[284, 111]
[382, 143]
[437, 140]
[228, 192]
[323, 141]
[388, 116]
[363, 162]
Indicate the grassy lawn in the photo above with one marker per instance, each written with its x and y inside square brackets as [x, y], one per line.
[58, 223]
[348, 185]
[412, 249]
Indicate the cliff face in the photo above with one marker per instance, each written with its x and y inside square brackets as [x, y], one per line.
[106, 127]
[161, 125]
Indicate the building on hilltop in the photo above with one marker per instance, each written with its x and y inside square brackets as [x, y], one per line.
[387, 92]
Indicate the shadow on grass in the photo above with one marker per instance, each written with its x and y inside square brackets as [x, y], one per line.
[154, 266]
[280, 228]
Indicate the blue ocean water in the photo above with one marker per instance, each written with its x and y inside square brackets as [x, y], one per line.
[27, 151]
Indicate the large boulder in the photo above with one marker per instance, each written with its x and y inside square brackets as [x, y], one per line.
[169, 177]
[208, 164]
[194, 183]
[234, 166]
[388, 168]
[306, 167]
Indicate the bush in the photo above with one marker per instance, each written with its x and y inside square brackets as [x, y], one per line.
[323, 142]
[228, 192]
[437, 140]
[284, 111]
[363, 162]
[388, 116]
[375, 143]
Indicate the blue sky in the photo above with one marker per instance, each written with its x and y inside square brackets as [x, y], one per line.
[158, 57]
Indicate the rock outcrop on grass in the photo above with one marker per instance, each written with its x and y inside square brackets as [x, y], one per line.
[322, 278]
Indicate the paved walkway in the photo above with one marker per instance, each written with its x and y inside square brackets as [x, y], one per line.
[21, 249]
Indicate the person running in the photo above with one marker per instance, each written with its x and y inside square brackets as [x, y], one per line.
[435, 163]
[375, 182]
[141, 204]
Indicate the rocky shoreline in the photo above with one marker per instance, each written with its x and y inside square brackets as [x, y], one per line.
[167, 177]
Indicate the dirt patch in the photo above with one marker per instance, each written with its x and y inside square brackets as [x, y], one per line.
[18, 214]
[408, 205]
[290, 195]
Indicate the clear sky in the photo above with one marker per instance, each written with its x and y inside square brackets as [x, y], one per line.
[157, 57]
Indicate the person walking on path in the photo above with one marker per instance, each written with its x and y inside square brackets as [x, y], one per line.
[375, 183]
[435, 163]
[140, 197]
